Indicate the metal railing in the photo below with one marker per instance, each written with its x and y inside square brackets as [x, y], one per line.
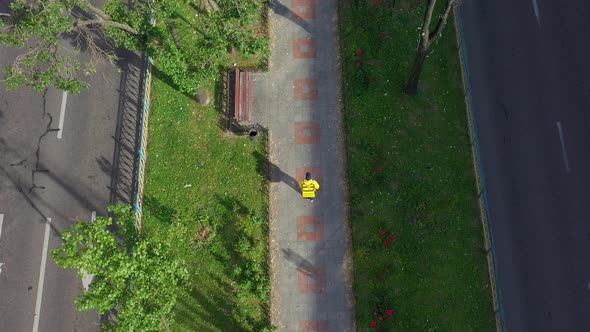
[143, 135]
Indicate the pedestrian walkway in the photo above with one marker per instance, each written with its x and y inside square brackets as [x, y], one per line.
[299, 101]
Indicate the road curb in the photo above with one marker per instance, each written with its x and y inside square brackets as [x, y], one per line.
[479, 179]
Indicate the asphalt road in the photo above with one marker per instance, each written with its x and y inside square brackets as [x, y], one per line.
[530, 86]
[45, 177]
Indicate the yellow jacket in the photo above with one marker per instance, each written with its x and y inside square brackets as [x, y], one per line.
[308, 188]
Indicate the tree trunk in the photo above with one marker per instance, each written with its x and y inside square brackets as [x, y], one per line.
[165, 323]
[102, 22]
[210, 6]
[412, 86]
[213, 5]
[427, 38]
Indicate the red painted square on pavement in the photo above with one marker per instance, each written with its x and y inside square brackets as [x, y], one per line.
[307, 132]
[304, 48]
[310, 228]
[305, 89]
[312, 280]
[313, 326]
[303, 8]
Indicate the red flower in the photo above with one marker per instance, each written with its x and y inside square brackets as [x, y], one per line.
[388, 317]
[382, 33]
[373, 324]
[381, 232]
[378, 169]
[374, 313]
[392, 236]
[389, 312]
[358, 62]
[258, 31]
[378, 2]
[385, 242]
[380, 318]
[359, 52]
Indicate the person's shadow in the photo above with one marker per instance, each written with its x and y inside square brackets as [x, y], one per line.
[272, 172]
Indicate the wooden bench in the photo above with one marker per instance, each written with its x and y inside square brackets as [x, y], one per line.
[239, 93]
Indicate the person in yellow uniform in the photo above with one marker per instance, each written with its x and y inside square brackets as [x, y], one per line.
[309, 187]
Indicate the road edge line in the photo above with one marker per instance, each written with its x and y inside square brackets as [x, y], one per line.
[1, 223]
[479, 179]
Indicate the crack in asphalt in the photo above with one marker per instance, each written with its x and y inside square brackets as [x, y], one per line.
[19, 188]
[21, 163]
[48, 129]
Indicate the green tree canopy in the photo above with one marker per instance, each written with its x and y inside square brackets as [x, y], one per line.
[134, 275]
[190, 50]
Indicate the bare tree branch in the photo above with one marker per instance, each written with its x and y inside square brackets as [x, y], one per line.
[424, 36]
[441, 22]
[6, 28]
[211, 6]
[97, 11]
[98, 54]
[426, 40]
[107, 23]
[33, 51]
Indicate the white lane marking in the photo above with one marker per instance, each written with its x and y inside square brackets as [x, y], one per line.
[41, 276]
[536, 9]
[62, 112]
[1, 222]
[87, 277]
[567, 165]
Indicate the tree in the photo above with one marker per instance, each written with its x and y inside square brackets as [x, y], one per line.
[134, 275]
[41, 26]
[427, 38]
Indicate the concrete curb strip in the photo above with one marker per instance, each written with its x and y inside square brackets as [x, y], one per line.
[483, 208]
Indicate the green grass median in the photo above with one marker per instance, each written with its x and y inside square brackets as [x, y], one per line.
[216, 188]
[417, 236]
[208, 187]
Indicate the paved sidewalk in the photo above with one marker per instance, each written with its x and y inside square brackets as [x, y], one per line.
[299, 101]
